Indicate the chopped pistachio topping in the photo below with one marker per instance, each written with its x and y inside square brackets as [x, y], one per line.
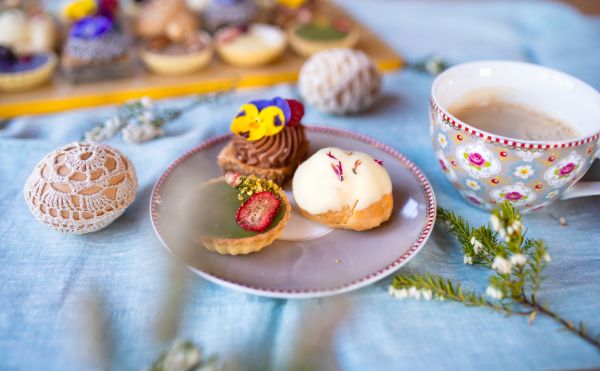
[251, 185]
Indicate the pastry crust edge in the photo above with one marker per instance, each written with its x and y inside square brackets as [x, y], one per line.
[360, 220]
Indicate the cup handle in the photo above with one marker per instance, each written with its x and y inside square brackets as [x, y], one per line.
[582, 189]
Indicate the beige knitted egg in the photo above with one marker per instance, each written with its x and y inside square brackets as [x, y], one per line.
[340, 81]
[81, 187]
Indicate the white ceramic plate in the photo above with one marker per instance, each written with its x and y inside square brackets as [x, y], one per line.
[338, 262]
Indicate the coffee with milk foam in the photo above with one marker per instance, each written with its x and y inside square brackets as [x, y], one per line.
[486, 110]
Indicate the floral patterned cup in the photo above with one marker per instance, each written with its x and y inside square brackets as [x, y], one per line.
[488, 169]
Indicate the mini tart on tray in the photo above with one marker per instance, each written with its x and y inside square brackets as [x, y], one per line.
[236, 214]
[342, 189]
[165, 57]
[270, 140]
[321, 34]
[25, 71]
[250, 46]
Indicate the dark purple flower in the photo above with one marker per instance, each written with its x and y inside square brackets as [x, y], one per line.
[241, 113]
[443, 165]
[476, 159]
[566, 170]
[513, 196]
[91, 27]
[7, 55]
[277, 121]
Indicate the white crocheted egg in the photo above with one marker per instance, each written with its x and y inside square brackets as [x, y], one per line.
[81, 187]
[340, 81]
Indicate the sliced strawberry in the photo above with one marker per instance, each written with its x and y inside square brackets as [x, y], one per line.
[257, 213]
[297, 109]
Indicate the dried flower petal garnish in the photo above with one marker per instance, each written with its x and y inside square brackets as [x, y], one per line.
[233, 179]
[356, 165]
[349, 153]
[380, 162]
[331, 156]
[337, 169]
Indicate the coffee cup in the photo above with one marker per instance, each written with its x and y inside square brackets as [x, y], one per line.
[530, 163]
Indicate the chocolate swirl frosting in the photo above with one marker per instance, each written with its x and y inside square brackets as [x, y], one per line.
[280, 150]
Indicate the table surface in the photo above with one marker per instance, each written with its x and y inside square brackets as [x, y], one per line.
[46, 277]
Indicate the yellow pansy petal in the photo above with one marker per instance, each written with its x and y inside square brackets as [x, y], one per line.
[292, 3]
[248, 128]
[258, 133]
[273, 120]
[248, 110]
[80, 9]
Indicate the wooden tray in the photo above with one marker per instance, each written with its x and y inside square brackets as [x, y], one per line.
[59, 95]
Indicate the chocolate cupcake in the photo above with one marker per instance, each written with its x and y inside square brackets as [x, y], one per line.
[270, 141]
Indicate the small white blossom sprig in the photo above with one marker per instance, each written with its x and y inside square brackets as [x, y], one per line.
[141, 120]
[184, 356]
[517, 263]
[432, 65]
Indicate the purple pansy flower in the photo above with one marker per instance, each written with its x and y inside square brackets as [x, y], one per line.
[566, 170]
[91, 27]
[476, 159]
[278, 102]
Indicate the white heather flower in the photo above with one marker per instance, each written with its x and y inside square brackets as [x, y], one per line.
[478, 247]
[546, 257]
[146, 117]
[133, 133]
[502, 265]
[413, 292]
[146, 102]
[391, 290]
[494, 293]
[502, 232]
[495, 222]
[507, 239]
[509, 230]
[401, 293]
[448, 226]
[473, 240]
[434, 65]
[517, 225]
[468, 259]
[427, 294]
[518, 259]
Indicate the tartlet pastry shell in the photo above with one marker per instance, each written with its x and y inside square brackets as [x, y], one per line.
[360, 220]
[163, 64]
[306, 48]
[228, 161]
[253, 58]
[235, 246]
[24, 80]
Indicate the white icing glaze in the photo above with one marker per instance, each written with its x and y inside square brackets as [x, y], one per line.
[317, 188]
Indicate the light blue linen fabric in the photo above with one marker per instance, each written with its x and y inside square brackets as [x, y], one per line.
[45, 277]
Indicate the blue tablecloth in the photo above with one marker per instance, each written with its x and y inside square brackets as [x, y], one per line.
[46, 276]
